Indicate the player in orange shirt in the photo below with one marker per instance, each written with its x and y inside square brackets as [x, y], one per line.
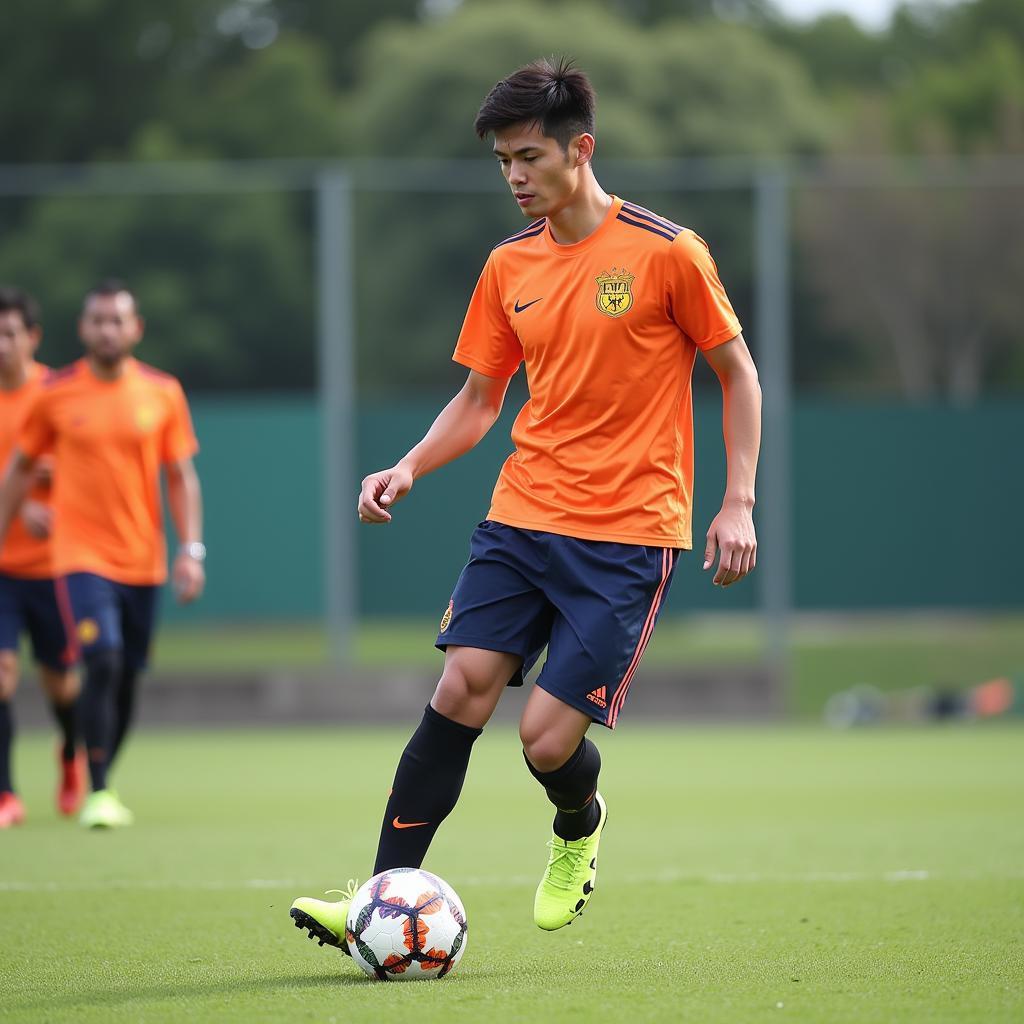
[28, 601]
[112, 423]
[607, 305]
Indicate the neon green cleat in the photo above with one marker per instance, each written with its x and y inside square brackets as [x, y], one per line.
[103, 809]
[569, 877]
[325, 919]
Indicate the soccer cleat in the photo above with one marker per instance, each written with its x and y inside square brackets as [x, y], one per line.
[71, 790]
[103, 809]
[325, 919]
[12, 810]
[568, 880]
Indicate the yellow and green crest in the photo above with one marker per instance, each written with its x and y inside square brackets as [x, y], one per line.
[614, 292]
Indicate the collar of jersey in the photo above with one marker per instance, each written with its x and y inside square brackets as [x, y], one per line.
[585, 243]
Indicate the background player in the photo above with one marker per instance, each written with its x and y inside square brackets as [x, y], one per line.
[28, 601]
[112, 423]
[607, 304]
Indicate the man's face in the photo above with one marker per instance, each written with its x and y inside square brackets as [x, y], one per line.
[110, 327]
[17, 342]
[543, 177]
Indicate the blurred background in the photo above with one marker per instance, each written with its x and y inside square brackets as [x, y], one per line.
[294, 190]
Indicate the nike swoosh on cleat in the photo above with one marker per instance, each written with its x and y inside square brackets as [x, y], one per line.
[519, 308]
[408, 824]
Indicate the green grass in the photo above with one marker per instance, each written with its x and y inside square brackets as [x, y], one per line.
[829, 653]
[746, 875]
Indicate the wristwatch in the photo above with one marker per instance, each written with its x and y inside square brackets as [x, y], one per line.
[196, 550]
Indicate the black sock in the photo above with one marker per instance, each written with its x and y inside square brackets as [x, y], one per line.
[571, 789]
[6, 736]
[96, 712]
[426, 788]
[65, 716]
[124, 708]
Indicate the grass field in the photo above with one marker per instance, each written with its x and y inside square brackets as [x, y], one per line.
[828, 653]
[746, 875]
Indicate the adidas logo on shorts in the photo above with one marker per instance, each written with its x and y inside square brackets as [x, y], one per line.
[599, 697]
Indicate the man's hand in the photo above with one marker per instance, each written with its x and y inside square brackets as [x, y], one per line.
[38, 518]
[380, 491]
[732, 532]
[188, 578]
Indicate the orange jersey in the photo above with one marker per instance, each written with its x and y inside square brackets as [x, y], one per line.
[22, 554]
[109, 440]
[609, 329]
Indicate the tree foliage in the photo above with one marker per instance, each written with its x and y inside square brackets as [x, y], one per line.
[226, 281]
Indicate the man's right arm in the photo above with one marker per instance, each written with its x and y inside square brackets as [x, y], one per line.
[16, 483]
[460, 425]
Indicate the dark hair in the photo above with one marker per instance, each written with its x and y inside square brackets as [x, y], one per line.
[20, 301]
[558, 97]
[110, 286]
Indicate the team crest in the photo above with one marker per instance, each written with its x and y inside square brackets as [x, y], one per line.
[614, 294]
[88, 631]
[446, 619]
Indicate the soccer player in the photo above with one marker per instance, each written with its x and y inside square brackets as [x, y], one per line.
[112, 422]
[607, 305]
[28, 601]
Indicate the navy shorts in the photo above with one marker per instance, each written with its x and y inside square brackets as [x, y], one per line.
[593, 603]
[30, 606]
[109, 615]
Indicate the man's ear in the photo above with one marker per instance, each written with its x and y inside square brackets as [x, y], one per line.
[584, 146]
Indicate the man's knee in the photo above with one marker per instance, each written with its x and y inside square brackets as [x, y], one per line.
[60, 685]
[8, 674]
[546, 749]
[472, 678]
[102, 667]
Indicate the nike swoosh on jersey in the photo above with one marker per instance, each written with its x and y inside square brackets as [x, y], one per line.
[519, 308]
[408, 824]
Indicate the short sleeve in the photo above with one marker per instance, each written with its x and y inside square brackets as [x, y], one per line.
[179, 440]
[696, 296]
[36, 435]
[487, 342]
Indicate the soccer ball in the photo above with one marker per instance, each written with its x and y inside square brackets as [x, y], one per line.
[405, 924]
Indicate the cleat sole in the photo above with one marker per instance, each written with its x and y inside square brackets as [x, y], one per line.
[317, 930]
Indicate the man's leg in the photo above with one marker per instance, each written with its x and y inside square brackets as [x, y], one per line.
[11, 810]
[92, 602]
[563, 761]
[566, 764]
[470, 686]
[138, 617]
[62, 687]
[429, 777]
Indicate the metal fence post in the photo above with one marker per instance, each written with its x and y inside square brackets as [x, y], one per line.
[336, 296]
[773, 324]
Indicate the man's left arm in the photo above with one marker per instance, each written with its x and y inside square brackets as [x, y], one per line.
[186, 504]
[732, 530]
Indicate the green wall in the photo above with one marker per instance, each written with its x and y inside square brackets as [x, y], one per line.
[893, 507]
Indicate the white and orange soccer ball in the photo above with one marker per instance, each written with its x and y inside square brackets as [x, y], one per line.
[406, 924]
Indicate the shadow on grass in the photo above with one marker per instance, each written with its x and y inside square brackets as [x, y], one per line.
[184, 990]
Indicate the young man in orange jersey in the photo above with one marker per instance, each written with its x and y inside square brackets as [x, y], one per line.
[112, 423]
[28, 601]
[607, 304]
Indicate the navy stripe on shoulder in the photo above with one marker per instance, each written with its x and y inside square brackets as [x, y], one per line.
[536, 228]
[671, 236]
[638, 211]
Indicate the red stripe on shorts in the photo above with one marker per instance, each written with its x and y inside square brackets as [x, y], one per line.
[622, 689]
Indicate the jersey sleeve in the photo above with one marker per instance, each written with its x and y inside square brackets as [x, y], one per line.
[179, 440]
[36, 436]
[696, 296]
[487, 342]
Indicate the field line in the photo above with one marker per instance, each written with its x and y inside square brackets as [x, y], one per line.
[896, 876]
